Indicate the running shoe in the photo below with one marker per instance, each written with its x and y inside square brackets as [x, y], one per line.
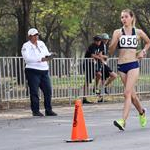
[120, 123]
[143, 119]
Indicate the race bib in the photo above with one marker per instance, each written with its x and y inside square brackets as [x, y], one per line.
[128, 41]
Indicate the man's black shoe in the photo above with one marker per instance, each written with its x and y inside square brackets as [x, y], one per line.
[106, 92]
[37, 114]
[85, 101]
[50, 113]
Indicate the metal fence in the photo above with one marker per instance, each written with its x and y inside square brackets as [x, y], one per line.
[67, 77]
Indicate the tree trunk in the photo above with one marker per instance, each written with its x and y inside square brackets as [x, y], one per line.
[22, 12]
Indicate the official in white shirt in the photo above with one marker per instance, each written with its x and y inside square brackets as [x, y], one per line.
[36, 56]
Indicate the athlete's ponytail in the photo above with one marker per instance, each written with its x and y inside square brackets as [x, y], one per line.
[131, 13]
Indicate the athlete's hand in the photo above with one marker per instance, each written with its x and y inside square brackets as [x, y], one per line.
[140, 55]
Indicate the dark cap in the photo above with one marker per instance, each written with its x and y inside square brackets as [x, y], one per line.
[97, 38]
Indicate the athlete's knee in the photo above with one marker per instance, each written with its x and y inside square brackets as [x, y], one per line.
[127, 93]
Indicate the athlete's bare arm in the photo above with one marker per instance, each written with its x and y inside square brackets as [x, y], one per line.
[143, 36]
[114, 41]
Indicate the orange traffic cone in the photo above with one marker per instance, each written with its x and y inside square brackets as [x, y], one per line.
[79, 132]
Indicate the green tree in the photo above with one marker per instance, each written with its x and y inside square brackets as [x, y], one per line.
[59, 22]
[16, 14]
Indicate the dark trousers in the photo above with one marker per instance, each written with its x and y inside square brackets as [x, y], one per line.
[39, 79]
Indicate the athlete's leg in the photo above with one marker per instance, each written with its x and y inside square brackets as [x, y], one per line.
[142, 114]
[123, 79]
[136, 102]
[120, 123]
[130, 81]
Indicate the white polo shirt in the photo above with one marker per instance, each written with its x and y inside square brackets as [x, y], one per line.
[33, 54]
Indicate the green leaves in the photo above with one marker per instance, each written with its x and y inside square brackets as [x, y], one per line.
[68, 13]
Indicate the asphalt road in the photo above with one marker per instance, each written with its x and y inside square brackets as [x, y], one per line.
[20, 131]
